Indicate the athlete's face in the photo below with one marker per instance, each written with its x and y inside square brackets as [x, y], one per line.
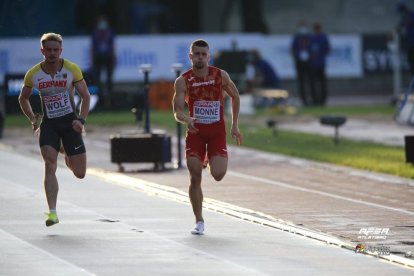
[51, 50]
[199, 57]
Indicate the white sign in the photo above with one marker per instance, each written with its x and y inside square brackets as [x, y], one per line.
[162, 51]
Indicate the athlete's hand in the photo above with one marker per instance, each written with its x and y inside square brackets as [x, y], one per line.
[190, 125]
[77, 126]
[35, 126]
[36, 122]
[235, 133]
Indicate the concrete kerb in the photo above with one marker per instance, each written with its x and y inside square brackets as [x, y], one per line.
[174, 194]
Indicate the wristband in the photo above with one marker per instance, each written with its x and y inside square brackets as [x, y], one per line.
[82, 120]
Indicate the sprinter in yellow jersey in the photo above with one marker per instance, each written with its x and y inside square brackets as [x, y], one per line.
[56, 80]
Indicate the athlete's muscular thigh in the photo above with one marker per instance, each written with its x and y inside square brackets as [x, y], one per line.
[72, 142]
[216, 142]
[49, 136]
[195, 146]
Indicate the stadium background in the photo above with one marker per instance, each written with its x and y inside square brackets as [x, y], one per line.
[372, 21]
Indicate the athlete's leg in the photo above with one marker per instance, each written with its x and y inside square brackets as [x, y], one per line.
[217, 154]
[75, 158]
[50, 155]
[218, 166]
[77, 163]
[194, 166]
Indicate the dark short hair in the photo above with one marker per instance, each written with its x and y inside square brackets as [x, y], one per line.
[199, 43]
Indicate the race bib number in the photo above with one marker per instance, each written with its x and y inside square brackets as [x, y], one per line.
[206, 112]
[57, 105]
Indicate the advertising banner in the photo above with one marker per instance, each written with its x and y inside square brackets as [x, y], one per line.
[162, 51]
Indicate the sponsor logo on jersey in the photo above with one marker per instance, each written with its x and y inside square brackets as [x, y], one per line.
[204, 83]
[54, 98]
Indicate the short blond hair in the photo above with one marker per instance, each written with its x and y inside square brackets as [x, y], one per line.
[51, 37]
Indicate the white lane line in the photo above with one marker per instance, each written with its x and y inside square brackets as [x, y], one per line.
[289, 186]
[9, 240]
[252, 216]
[137, 185]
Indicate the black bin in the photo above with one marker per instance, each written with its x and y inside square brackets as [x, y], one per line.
[409, 149]
[141, 148]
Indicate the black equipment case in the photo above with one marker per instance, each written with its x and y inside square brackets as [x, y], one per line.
[141, 147]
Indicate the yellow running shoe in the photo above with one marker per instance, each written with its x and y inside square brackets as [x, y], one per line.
[51, 219]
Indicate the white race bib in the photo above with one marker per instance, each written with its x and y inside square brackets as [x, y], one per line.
[206, 112]
[57, 105]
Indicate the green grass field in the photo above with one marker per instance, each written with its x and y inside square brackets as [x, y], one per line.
[361, 155]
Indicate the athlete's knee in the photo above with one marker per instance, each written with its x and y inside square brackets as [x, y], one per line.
[50, 165]
[195, 180]
[218, 173]
[218, 167]
[77, 164]
[79, 173]
[218, 176]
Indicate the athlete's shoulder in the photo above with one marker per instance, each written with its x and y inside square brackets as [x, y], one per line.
[188, 76]
[34, 69]
[214, 68]
[74, 69]
[216, 72]
[30, 73]
[70, 65]
[187, 73]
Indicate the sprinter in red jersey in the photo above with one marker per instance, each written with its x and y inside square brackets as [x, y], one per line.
[203, 88]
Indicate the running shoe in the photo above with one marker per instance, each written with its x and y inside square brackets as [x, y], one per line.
[198, 229]
[51, 219]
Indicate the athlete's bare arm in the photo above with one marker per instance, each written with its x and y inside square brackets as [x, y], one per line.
[83, 92]
[231, 90]
[26, 107]
[179, 104]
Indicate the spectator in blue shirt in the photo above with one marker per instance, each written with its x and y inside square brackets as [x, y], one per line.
[406, 29]
[319, 49]
[103, 57]
[300, 50]
[265, 75]
[260, 74]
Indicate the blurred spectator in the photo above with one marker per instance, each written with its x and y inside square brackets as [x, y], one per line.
[263, 75]
[300, 50]
[406, 30]
[320, 48]
[103, 58]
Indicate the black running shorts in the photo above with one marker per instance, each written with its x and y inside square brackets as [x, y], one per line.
[53, 131]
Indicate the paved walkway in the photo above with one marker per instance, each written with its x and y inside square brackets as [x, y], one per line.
[377, 129]
[388, 132]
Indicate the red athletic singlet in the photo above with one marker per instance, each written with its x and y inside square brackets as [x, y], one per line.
[205, 100]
